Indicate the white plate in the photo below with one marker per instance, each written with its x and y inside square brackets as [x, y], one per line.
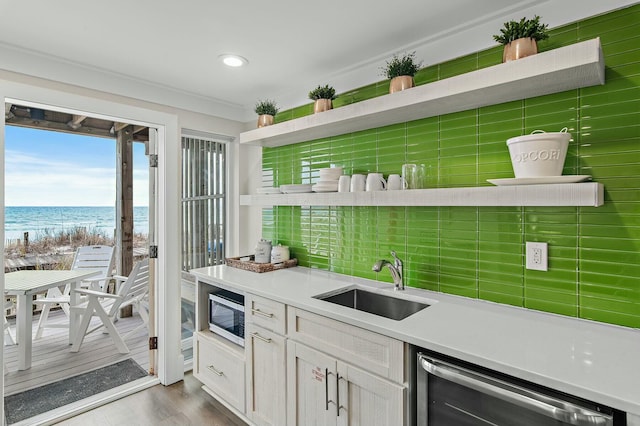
[331, 170]
[295, 188]
[296, 191]
[324, 189]
[540, 180]
[268, 190]
[327, 184]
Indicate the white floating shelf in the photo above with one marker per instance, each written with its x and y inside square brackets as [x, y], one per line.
[565, 68]
[563, 194]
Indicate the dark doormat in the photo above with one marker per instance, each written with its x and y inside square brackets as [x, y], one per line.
[54, 395]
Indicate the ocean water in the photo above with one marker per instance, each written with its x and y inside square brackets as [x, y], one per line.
[41, 221]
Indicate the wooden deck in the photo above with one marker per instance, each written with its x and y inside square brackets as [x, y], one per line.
[52, 360]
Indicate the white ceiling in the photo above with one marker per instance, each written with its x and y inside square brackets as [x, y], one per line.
[167, 51]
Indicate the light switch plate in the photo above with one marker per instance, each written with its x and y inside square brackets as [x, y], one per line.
[536, 256]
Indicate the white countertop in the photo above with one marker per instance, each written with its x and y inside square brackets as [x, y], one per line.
[592, 360]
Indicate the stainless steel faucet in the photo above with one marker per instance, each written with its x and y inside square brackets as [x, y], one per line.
[395, 268]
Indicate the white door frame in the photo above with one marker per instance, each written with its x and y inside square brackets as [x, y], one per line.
[170, 361]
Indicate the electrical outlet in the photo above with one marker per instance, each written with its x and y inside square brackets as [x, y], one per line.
[536, 256]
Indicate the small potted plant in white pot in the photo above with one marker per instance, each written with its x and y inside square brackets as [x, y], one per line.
[520, 38]
[266, 110]
[323, 97]
[400, 70]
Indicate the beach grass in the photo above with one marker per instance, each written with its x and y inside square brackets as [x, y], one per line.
[61, 245]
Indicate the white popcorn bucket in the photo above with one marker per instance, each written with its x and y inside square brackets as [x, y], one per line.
[539, 154]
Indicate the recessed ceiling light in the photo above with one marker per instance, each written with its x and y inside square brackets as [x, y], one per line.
[233, 60]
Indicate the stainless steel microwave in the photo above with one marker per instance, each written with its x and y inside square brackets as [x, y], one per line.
[226, 315]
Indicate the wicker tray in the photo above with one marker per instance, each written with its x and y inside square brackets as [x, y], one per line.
[248, 264]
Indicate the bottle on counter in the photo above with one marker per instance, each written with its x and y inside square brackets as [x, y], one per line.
[279, 254]
[263, 251]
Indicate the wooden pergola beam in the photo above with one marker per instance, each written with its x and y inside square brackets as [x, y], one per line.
[59, 127]
[21, 116]
[119, 126]
[124, 204]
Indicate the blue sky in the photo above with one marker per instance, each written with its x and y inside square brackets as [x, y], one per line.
[60, 169]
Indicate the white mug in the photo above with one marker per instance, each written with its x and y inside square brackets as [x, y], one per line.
[357, 183]
[395, 182]
[376, 182]
[344, 183]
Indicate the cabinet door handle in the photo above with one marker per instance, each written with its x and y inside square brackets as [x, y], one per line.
[326, 389]
[338, 378]
[215, 370]
[327, 373]
[262, 314]
[338, 394]
[259, 337]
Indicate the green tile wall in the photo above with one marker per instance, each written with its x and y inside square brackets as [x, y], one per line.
[594, 253]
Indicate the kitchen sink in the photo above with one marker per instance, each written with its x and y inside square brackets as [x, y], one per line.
[374, 303]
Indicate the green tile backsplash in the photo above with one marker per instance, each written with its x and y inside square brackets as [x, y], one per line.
[594, 253]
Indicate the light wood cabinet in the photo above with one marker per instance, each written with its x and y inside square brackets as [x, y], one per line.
[217, 362]
[266, 313]
[366, 399]
[265, 346]
[311, 393]
[326, 391]
[298, 368]
[370, 351]
[266, 375]
[340, 374]
[220, 367]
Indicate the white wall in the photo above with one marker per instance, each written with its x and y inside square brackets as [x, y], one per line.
[250, 216]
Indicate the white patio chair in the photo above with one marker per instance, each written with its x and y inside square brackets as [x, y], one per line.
[87, 257]
[132, 290]
[7, 330]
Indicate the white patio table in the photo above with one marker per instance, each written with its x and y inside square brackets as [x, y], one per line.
[23, 285]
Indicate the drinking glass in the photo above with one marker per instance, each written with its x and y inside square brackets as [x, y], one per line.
[414, 175]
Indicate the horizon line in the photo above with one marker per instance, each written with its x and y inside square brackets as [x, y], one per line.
[71, 206]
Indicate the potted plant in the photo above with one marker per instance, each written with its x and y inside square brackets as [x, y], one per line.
[266, 110]
[400, 70]
[322, 95]
[520, 38]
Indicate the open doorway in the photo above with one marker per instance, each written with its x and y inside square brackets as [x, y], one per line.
[170, 365]
[59, 197]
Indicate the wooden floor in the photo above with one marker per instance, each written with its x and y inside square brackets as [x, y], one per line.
[183, 403]
[52, 360]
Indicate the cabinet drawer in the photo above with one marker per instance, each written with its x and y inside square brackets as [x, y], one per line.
[370, 351]
[266, 313]
[220, 369]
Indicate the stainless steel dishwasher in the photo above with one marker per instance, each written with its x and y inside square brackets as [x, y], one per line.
[451, 393]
